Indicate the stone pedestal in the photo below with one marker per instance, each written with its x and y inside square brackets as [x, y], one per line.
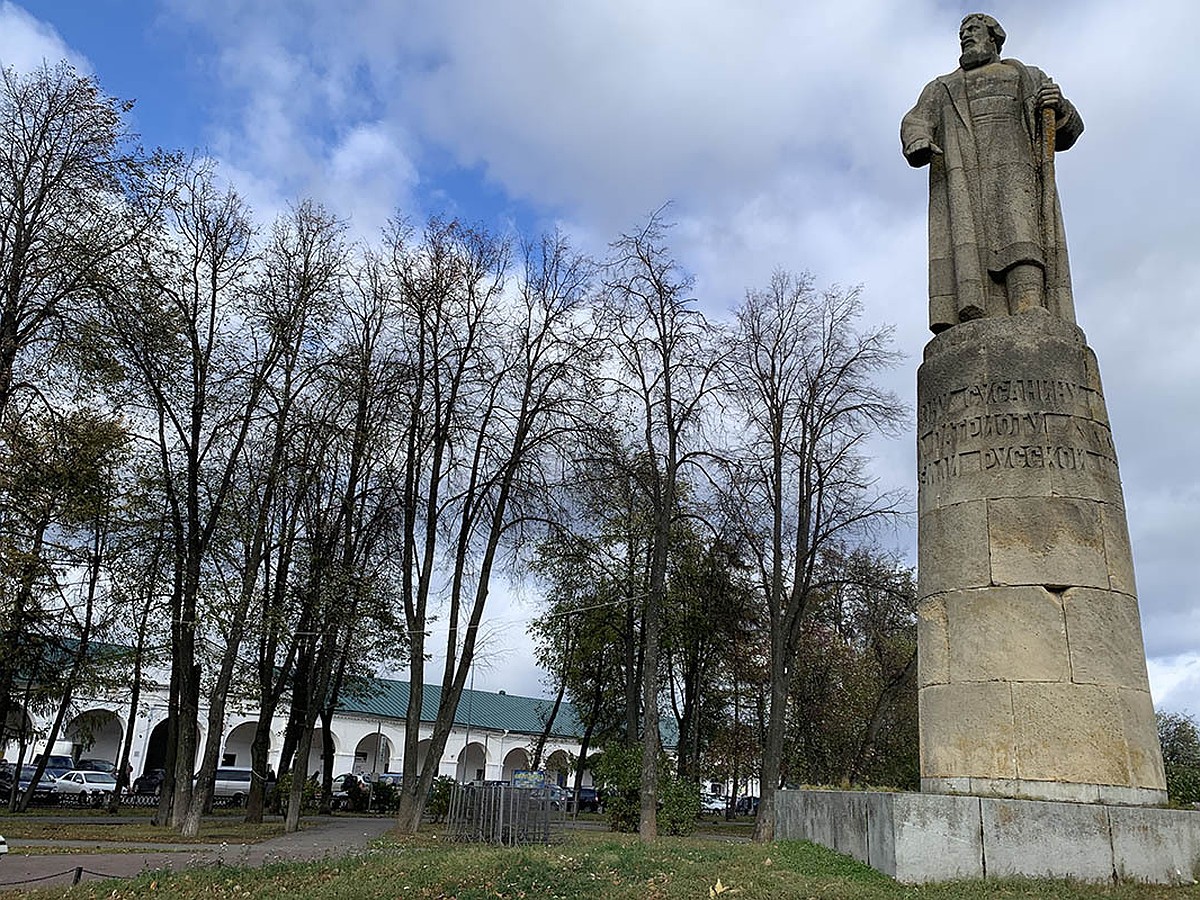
[931, 837]
[1032, 668]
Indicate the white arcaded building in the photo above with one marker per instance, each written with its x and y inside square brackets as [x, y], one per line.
[494, 733]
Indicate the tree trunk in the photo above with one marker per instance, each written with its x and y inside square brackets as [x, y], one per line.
[887, 696]
[764, 823]
[291, 821]
[326, 805]
[540, 746]
[124, 773]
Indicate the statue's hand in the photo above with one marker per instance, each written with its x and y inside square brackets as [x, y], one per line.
[1050, 95]
[921, 151]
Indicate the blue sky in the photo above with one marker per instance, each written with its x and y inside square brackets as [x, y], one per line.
[770, 125]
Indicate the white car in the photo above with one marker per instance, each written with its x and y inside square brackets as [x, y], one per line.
[85, 786]
[3, 845]
[713, 804]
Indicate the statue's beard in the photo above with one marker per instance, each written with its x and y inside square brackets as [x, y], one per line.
[977, 55]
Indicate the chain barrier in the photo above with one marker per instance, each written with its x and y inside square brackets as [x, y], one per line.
[77, 874]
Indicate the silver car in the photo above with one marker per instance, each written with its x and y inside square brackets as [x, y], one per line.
[86, 787]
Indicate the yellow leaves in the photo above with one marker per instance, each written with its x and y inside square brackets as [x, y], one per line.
[717, 889]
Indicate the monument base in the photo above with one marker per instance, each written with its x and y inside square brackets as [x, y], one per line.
[938, 837]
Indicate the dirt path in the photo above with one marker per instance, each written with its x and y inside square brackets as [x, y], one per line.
[320, 838]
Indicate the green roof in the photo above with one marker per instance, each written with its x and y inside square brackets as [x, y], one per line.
[386, 698]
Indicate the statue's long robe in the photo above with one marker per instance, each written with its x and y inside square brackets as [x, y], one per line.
[973, 239]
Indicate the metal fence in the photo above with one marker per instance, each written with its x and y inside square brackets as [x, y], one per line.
[503, 814]
[71, 801]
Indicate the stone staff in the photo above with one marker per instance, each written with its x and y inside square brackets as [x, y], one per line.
[1049, 200]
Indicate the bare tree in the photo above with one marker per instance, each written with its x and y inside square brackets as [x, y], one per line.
[176, 318]
[499, 386]
[800, 377]
[299, 281]
[66, 178]
[66, 170]
[65, 471]
[661, 345]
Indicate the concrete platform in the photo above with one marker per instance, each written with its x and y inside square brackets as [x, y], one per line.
[938, 837]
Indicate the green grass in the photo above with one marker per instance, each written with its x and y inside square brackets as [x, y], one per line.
[587, 866]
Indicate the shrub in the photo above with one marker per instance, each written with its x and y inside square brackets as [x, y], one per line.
[387, 798]
[439, 798]
[283, 790]
[1180, 738]
[619, 768]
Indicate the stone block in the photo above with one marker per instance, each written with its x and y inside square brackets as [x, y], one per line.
[934, 838]
[933, 651]
[1006, 634]
[1070, 733]
[1119, 795]
[1098, 411]
[911, 837]
[1046, 541]
[1105, 635]
[953, 549]
[1032, 837]
[834, 819]
[967, 730]
[1118, 554]
[1141, 736]
[1084, 463]
[1020, 789]
[919, 838]
[848, 824]
[947, 786]
[1155, 845]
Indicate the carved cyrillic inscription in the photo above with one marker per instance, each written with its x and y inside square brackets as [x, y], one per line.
[988, 427]
[1035, 393]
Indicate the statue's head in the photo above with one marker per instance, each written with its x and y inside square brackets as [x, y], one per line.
[981, 38]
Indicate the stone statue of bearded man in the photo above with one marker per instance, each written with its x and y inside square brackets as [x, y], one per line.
[996, 242]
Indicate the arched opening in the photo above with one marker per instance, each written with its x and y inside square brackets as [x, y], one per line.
[558, 767]
[472, 763]
[422, 753]
[373, 754]
[95, 734]
[316, 753]
[17, 731]
[237, 745]
[514, 760]
[156, 748]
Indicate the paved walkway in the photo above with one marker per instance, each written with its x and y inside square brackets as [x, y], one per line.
[320, 838]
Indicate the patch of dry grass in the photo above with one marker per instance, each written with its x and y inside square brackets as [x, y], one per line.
[589, 866]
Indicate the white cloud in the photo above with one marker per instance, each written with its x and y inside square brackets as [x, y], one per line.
[773, 128]
[26, 43]
[1175, 683]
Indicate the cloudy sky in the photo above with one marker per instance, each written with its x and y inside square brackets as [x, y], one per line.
[771, 126]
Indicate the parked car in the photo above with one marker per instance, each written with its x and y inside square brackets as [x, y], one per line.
[58, 765]
[232, 785]
[96, 765]
[350, 791]
[747, 806]
[45, 786]
[3, 845]
[149, 782]
[558, 797]
[588, 800]
[86, 787]
[711, 804]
